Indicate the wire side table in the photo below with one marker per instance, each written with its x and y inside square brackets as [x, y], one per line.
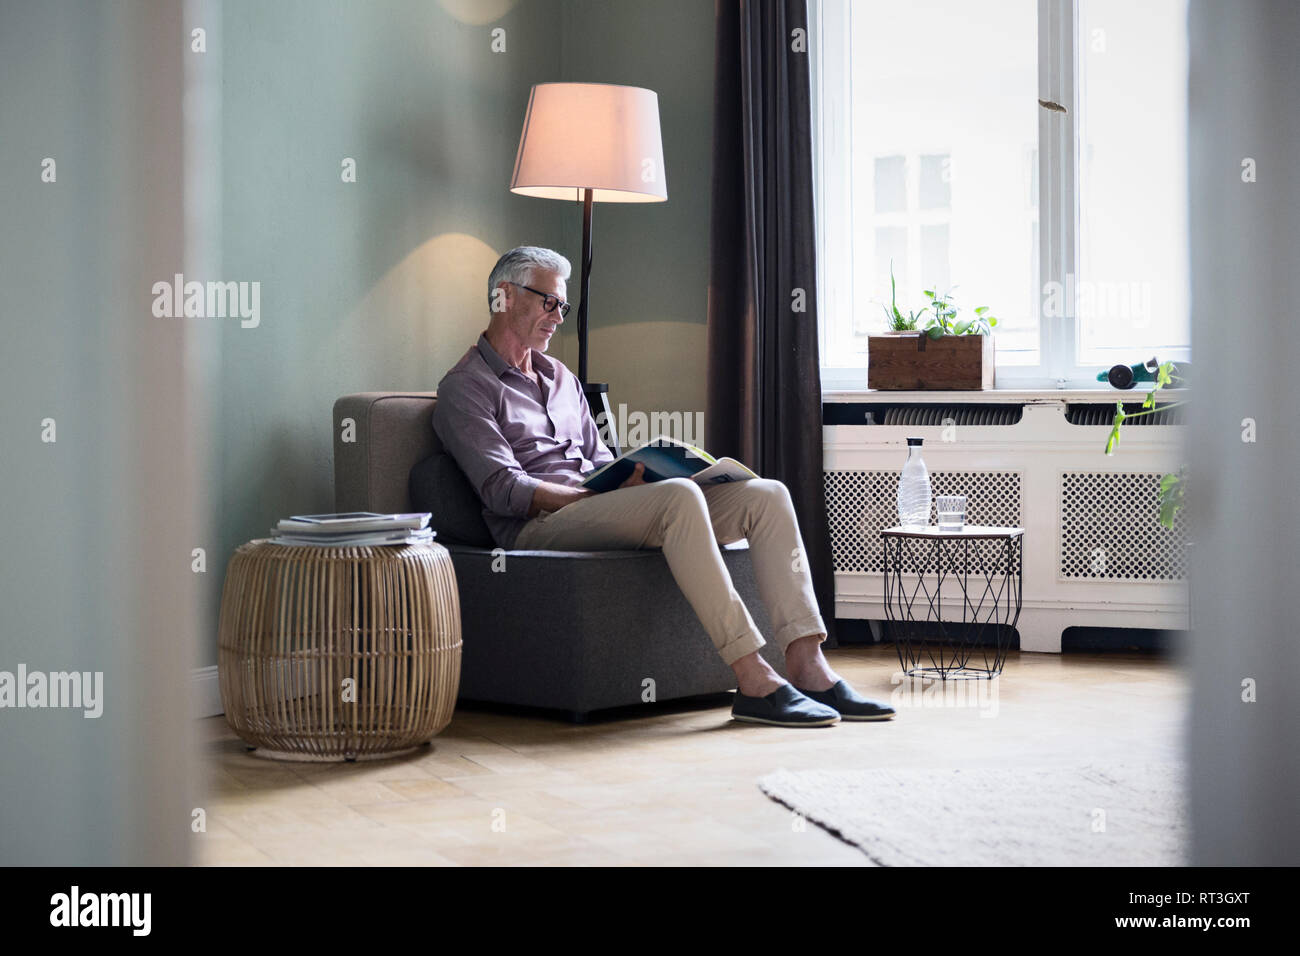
[977, 569]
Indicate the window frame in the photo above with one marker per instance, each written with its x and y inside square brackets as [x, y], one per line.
[830, 22]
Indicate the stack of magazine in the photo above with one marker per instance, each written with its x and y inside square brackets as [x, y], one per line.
[354, 529]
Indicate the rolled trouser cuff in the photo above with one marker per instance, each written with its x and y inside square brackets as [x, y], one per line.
[812, 624]
[737, 647]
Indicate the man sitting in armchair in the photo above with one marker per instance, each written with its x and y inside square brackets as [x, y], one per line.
[518, 425]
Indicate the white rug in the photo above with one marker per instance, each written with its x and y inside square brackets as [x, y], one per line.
[1087, 816]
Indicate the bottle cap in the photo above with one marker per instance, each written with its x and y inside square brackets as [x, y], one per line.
[915, 441]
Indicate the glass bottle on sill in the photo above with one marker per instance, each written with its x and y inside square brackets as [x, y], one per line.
[914, 489]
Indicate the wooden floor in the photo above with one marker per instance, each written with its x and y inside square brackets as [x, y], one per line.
[676, 786]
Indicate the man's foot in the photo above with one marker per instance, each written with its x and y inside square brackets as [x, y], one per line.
[849, 704]
[807, 666]
[755, 676]
[761, 685]
[784, 707]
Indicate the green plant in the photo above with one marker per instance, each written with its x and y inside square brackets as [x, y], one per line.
[1174, 485]
[1172, 488]
[897, 321]
[944, 320]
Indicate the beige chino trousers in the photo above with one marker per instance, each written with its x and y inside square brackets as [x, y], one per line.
[688, 523]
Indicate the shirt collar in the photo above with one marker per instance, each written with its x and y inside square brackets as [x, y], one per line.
[499, 365]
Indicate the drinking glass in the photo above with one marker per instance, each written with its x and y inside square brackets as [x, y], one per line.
[952, 512]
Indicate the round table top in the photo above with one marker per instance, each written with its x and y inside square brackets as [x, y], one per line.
[301, 551]
[969, 531]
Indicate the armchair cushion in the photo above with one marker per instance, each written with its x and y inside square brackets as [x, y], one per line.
[437, 485]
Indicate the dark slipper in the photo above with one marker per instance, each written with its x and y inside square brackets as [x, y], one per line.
[784, 707]
[849, 703]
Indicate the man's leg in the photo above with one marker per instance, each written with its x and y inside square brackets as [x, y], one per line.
[671, 515]
[760, 510]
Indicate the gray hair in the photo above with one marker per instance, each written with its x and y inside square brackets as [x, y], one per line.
[519, 263]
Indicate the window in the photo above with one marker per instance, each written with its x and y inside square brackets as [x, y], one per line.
[933, 158]
[1134, 295]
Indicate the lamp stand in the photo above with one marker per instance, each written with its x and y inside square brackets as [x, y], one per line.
[597, 393]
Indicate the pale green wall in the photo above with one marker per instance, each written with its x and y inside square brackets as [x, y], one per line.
[98, 522]
[381, 284]
[55, 266]
[378, 284]
[374, 285]
[650, 277]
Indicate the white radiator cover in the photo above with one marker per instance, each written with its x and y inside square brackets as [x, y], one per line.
[1094, 554]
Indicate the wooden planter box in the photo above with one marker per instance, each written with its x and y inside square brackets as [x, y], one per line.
[911, 360]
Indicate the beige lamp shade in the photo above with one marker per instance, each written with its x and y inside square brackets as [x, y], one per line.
[593, 136]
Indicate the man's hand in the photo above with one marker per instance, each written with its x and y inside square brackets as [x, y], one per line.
[549, 496]
[635, 478]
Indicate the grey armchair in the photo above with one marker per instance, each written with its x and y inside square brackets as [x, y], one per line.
[575, 631]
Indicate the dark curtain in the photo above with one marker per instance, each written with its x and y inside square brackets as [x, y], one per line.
[764, 391]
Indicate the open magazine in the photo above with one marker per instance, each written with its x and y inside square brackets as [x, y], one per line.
[665, 457]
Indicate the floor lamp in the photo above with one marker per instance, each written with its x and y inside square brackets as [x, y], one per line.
[590, 143]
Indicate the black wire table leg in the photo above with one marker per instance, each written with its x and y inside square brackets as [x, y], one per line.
[991, 593]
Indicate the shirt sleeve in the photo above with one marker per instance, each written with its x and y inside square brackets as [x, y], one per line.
[595, 450]
[465, 422]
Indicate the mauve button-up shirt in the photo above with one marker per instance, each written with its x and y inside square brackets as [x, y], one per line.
[509, 433]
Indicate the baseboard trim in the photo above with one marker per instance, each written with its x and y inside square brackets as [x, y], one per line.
[205, 693]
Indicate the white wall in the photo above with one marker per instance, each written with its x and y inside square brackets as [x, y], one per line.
[1245, 246]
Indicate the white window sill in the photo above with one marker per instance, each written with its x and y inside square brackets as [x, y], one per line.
[998, 395]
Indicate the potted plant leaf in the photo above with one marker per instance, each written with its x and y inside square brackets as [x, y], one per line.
[894, 318]
[1171, 496]
[1173, 486]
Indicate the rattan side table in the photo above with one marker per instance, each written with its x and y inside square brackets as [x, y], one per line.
[977, 571]
[329, 653]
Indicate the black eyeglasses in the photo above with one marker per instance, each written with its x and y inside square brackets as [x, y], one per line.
[549, 302]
